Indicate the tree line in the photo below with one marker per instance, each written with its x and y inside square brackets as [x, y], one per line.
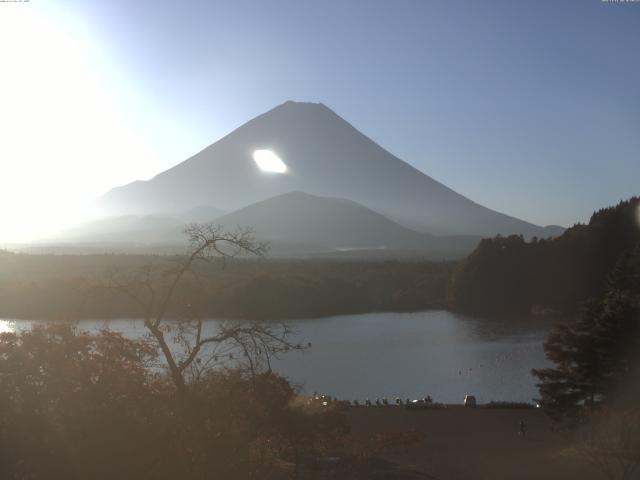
[509, 275]
[63, 286]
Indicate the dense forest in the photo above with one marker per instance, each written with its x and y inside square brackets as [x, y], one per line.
[510, 275]
[76, 286]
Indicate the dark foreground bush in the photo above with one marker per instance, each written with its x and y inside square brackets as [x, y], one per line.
[80, 406]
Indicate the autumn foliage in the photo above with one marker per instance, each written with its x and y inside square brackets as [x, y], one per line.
[76, 405]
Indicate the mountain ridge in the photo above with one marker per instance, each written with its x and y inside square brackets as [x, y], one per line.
[328, 222]
[325, 156]
[295, 224]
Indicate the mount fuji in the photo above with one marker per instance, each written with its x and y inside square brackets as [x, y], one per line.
[324, 156]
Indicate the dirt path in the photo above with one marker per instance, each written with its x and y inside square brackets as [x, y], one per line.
[462, 444]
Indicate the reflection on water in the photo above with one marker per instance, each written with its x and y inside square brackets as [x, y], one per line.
[435, 353]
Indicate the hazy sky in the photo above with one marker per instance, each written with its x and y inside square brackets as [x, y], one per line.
[528, 107]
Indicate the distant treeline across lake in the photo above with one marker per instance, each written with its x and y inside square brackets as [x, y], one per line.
[80, 286]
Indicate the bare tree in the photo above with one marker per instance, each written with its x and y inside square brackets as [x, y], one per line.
[188, 347]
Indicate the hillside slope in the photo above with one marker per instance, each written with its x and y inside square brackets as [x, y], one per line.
[325, 156]
[510, 275]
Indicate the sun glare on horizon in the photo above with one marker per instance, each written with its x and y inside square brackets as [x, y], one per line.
[66, 137]
[269, 161]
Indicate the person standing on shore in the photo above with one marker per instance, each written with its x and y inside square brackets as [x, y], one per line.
[521, 431]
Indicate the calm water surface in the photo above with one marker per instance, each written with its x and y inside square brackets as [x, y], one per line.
[409, 355]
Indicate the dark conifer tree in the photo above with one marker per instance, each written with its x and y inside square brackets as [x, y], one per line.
[598, 357]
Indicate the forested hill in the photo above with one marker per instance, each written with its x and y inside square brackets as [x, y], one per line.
[510, 275]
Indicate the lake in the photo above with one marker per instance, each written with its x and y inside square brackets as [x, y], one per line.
[407, 355]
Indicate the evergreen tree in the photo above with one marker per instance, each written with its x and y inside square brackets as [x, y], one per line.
[598, 357]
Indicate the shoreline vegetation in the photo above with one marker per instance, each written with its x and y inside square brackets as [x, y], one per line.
[68, 287]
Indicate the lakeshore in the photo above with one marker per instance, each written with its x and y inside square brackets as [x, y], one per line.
[406, 355]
